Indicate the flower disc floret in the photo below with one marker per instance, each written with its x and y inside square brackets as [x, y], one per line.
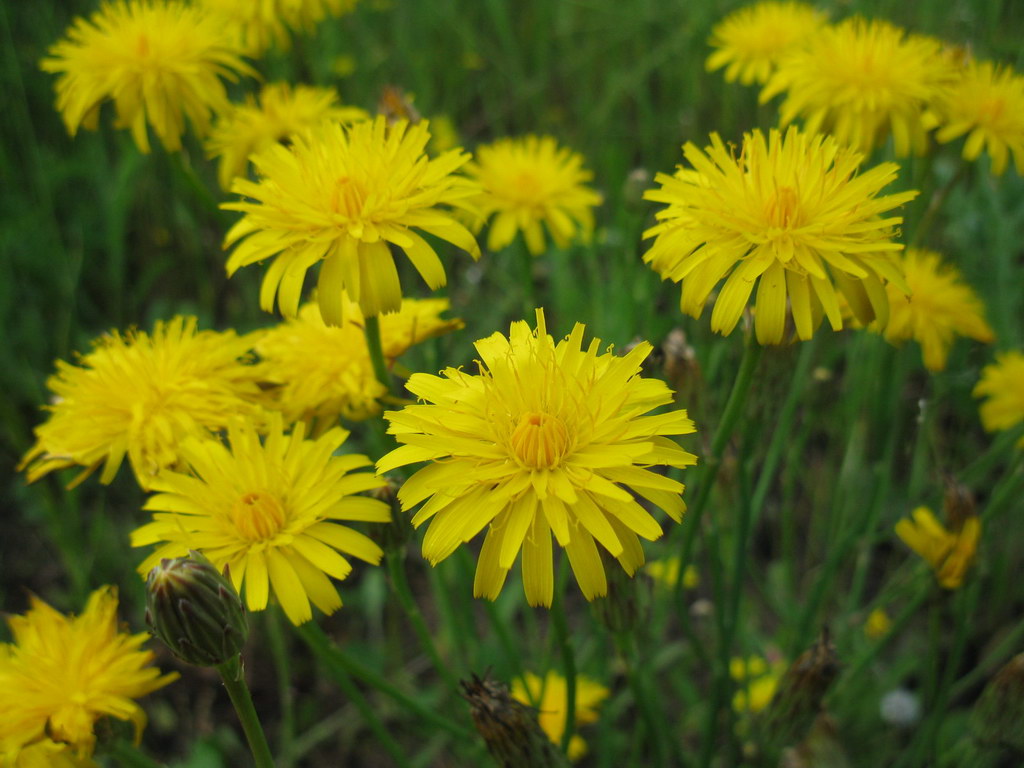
[790, 214]
[342, 195]
[266, 510]
[862, 81]
[159, 61]
[139, 395]
[532, 181]
[750, 41]
[548, 438]
[63, 673]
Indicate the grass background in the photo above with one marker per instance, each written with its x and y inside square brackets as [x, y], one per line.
[840, 438]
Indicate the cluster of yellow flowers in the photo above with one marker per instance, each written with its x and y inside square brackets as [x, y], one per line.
[237, 437]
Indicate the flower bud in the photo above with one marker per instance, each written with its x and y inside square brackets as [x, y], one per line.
[510, 728]
[195, 610]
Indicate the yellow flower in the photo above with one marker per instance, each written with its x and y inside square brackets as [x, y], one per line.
[158, 60]
[547, 438]
[750, 41]
[790, 214]
[63, 673]
[43, 754]
[862, 81]
[1002, 383]
[950, 554]
[940, 307]
[264, 510]
[986, 102]
[878, 624]
[257, 24]
[551, 698]
[140, 395]
[666, 573]
[324, 372]
[342, 195]
[280, 112]
[756, 681]
[532, 181]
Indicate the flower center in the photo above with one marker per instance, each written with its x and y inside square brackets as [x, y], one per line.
[540, 440]
[783, 208]
[258, 516]
[347, 197]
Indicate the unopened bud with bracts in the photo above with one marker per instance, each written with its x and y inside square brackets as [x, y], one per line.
[797, 700]
[998, 717]
[510, 728]
[195, 610]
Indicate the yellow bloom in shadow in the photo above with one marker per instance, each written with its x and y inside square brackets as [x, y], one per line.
[757, 682]
[878, 624]
[63, 673]
[266, 510]
[1001, 384]
[549, 438]
[666, 573]
[950, 554]
[551, 697]
[159, 61]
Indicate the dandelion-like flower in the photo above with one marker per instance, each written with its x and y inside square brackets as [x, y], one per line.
[1002, 383]
[324, 372]
[877, 624]
[139, 395]
[550, 696]
[257, 24]
[280, 112]
[43, 754]
[949, 553]
[342, 195]
[750, 41]
[532, 181]
[940, 307]
[63, 673]
[160, 61]
[985, 103]
[862, 81]
[790, 214]
[265, 510]
[666, 572]
[547, 438]
[756, 681]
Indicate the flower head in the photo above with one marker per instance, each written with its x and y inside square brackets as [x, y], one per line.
[750, 41]
[342, 195]
[532, 181]
[547, 438]
[985, 103]
[877, 624]
[862, 81]
[666, 573]
[265, 511]
[757, 682]
[940, 307]
[551, 698]
[324, 372]
[160, 61]
[257, 24]
[63, 673]
[950, 554]
[46, 753]
[789, 213]
[280, 112]
[1002, 383]
[139, 395]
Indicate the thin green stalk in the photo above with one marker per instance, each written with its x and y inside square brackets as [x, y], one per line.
[558, 623]
[282, 669]
[645, 698]
[937, 201]
[380, 368]
[234, 681]
[130, 756]
[529, 289]
[400, 583]
[339, 662]
[1008, 646]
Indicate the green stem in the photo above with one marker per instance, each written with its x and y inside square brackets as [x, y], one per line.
[341, 663]
[529, 291]
[282, 668]
[380, 368]
[233, 679]
[558, 623]
[130, 756]
[936, 203]
[400, 582]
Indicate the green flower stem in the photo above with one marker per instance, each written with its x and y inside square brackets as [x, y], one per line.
[380, 367]
[341, 663]
[130, 756]
[234, 681]
[526, 260]
[400, 584]
[558, 624]
[282, 669]
[937, 201]
[646, 698]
